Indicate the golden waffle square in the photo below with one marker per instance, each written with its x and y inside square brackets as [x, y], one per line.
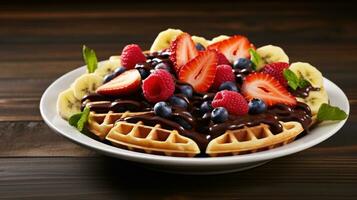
[252, 139]
[155, 140]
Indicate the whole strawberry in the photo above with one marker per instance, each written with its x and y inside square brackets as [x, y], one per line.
[276, 70]
[132, 55]
[232, 101]
[224, 73]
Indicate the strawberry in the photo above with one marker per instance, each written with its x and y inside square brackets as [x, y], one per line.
[224, 73]
[222, 60]
[125, 83]
[267, 88]
[182, 50]
[233, 48]
[132, 55]
[276, 69]
[200, 71]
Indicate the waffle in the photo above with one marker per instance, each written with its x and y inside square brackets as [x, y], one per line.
[155, 140]
[252, 139]
[101, 124]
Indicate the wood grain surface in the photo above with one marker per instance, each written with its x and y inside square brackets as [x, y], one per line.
[40, 41]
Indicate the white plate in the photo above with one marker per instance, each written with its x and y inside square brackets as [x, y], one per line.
[187, 165]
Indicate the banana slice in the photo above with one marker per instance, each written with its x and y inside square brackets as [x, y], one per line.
[219, 38]
[115, 59]
[85, 84]
[315, 99]
[107, 67]
[308, 72]
[271, 54]
[68, 104]
[200, 40]
[164, 38]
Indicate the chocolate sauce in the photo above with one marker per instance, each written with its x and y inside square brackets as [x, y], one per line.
[303, 92]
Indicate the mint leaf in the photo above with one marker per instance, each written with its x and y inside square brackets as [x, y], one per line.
[293, 80]
[90, 59]
[303, 83]
[73, 120]
[257, 61]
[328, 112]
[83, 120]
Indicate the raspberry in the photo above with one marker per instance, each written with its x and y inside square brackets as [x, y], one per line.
[132, 55]
[232, 101]
[222, 60]
[158, 86]
[276, 70]
[224, 73]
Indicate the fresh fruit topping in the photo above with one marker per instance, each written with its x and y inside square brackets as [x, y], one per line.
[219, 115]
[270, 54]
[164, 39]
[233, 48]
[108, 78]
[86, 84]
[232, 101]
[276, 70]
[164, 65]
[242, 63]
[265, 87]
[90, 59]
[257, 61]
[200, 71]
[222, 60]
[177, 101]
[119, 70]
[125, 83]
[158, 86]
[201, 40]
[182, 50]
[231, 86]
[162, 109]
[224, 73]
[256, 106]
[143, 73]
[200, 47]
[308, 72]
[206, 107]
[68, 104]
[131, 55]
[186, 90]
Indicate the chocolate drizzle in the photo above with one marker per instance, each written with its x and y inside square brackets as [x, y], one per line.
[303, 92]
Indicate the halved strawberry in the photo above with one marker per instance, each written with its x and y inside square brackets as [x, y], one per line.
[125, 83]
[267, 88]
[182, 50]
[233, 48]
[200, 71]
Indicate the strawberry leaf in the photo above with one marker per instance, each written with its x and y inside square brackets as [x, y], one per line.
[90, 59]
[328, 112]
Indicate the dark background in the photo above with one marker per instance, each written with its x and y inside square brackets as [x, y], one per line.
[41, 40]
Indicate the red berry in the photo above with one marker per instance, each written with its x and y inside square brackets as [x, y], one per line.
[158, 86]
[234, 102]
[127, 82]
[276, 70]
[267, 88]
[224, 73]
[132, 55]
[222, 60]
[182, 49]
[233, 48]
[200, 71]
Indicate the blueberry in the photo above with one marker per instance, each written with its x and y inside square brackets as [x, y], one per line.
[143, 73]
[182, 122]
[186, 90]
[200, 47]
[206, 107]
[257, 106]
[242, 63]
[177, 101]
[109, 77]
[165, 66]
[219, 115]
[119, 71]
[162, 109]
[228, 86]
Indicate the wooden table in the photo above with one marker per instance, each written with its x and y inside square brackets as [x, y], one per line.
[41, 41]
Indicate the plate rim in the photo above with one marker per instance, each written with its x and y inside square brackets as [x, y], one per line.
[169, 160]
